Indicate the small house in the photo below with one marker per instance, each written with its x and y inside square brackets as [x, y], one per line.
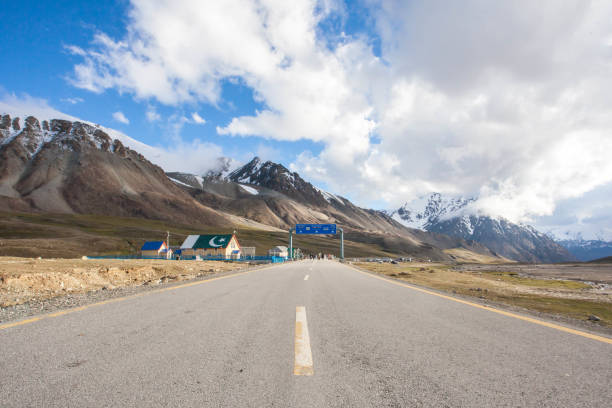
[154, 249]
[211, 246]
[280, 251]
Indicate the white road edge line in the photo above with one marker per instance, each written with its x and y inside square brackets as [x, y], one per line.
[306, 277]
[303, 355]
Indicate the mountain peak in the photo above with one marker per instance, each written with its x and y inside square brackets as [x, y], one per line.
[275, 176]
[454, 217]
[429, 209]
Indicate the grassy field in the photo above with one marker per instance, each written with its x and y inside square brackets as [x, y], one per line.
[69, 236]
[463, 255]
[569, 298]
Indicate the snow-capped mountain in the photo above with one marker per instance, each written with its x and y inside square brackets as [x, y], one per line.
[587, 250]
[63, 133]
[13, 123]
[65, 166]
[421, 213]
[277, 177]
[454, 217]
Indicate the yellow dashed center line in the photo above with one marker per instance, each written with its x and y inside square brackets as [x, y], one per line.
[303, 355]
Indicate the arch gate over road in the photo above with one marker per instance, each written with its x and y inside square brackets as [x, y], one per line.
[316, 229]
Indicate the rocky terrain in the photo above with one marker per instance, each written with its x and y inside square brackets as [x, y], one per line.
[59, 166]
[518, 242]
[24, 280]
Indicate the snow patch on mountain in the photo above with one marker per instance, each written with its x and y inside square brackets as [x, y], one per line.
[179, 182]
[461, 217]
[249, 190]
[151, 153]
[426, 210]
[587, 250]
[329, 197]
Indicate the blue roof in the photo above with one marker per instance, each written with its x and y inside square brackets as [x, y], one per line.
[152, 246]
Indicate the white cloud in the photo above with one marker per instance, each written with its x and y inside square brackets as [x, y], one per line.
[72, 101]
[120, 117]
[197, 118]
[152, 115]
[195, 157]
[509, 101]
[26, 105]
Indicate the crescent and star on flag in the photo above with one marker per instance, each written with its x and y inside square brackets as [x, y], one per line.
[214, 244]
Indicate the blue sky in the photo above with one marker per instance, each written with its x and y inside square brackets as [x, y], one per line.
[40, 65]
[381, 101]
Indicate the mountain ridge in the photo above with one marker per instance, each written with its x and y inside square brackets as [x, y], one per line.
[64, 166]
[75, 167]
[452, 216]
[587, 250]
[270, 193]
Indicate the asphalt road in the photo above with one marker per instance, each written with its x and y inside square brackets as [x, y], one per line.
[234, 342]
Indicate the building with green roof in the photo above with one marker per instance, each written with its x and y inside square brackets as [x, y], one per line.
[222, 245]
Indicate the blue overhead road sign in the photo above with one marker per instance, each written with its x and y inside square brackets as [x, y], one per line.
[315, 228]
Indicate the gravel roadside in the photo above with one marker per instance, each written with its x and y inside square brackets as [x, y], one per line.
[72, 300]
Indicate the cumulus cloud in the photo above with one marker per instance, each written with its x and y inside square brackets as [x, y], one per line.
[120, 117]
[508, 101]
[197, 118]
[194, 157]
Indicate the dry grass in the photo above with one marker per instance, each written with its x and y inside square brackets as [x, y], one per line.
[23, 280]
[72, 236]
[464, 255]
[568, 298]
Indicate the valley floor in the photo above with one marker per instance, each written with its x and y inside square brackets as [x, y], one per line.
[579, 293]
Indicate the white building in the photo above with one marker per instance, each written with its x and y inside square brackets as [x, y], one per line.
[280, 251]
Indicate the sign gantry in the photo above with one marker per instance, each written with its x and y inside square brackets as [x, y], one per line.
[316, 229]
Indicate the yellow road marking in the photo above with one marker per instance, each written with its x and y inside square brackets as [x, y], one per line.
[303, 355]
[491, 309]
[306, 277]
[119, 299]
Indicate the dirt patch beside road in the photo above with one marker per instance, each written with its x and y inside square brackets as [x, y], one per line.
[582, 272]
[585, 297]
[25, 280]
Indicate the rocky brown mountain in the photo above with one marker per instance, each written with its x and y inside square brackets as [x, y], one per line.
[73, 167]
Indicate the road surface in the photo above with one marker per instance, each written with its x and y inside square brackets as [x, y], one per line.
[306, 334]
